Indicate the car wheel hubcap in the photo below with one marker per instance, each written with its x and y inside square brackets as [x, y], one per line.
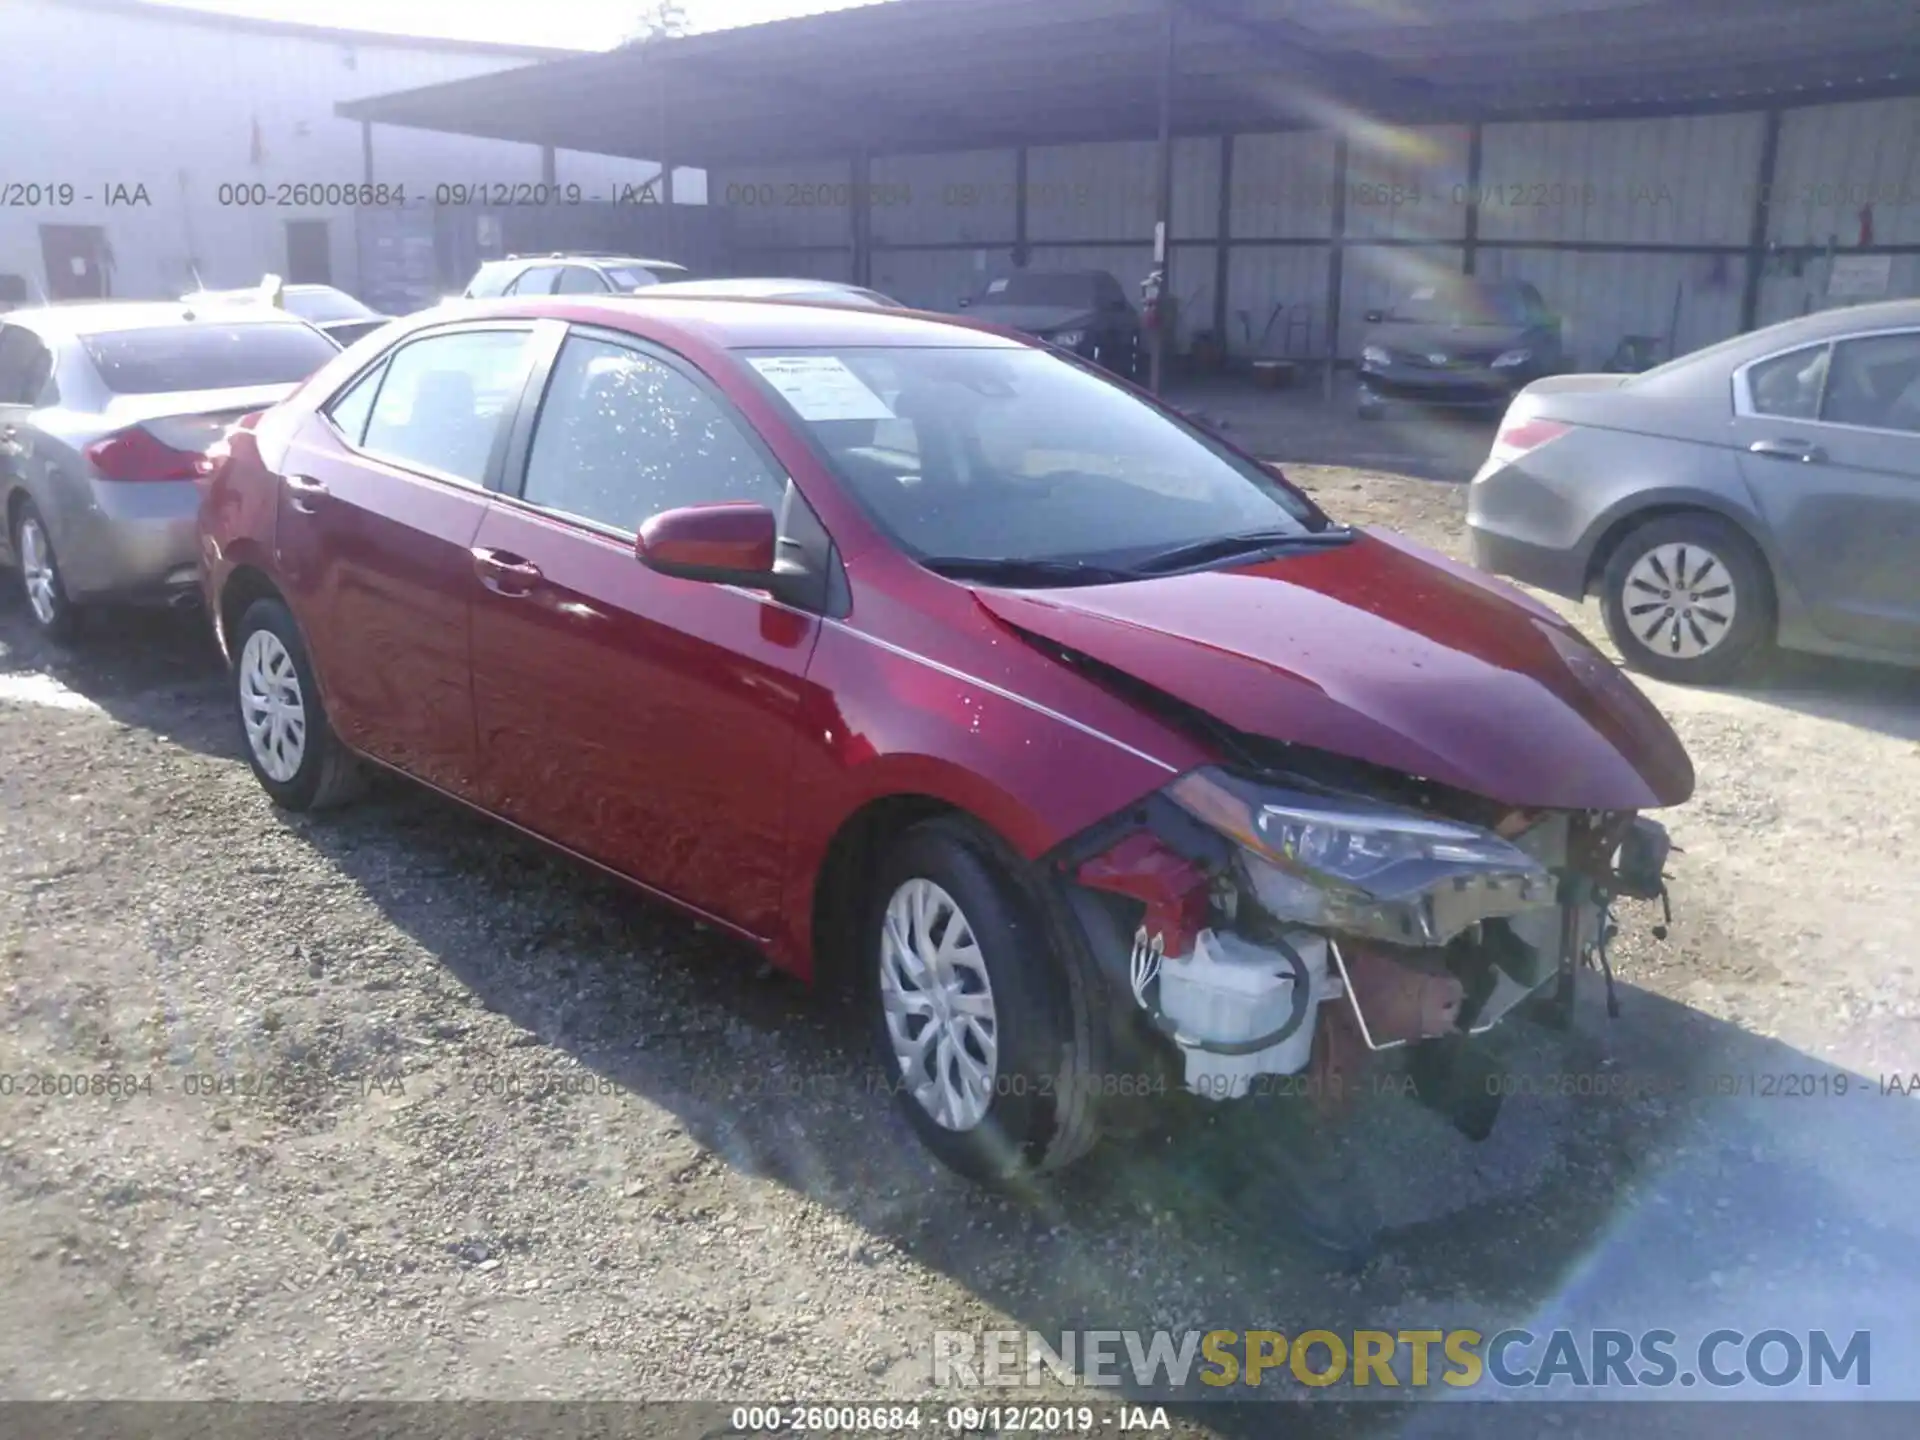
[36, 569]
[938, 1004]
[1680, 601]
[272, 706]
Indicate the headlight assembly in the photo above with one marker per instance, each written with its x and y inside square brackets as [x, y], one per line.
[1068, 339]
[1512, 358]
[1363, 868]
[1375, 355]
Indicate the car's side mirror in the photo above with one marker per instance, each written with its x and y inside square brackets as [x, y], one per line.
[723, 544]
[1375, 317]
[966, 304]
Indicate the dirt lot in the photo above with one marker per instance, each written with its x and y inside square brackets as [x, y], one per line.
[513, 1134]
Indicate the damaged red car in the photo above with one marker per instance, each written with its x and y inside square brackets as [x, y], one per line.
[1095, 756]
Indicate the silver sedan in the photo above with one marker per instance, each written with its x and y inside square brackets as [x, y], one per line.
[1762, 491]
[106, 414]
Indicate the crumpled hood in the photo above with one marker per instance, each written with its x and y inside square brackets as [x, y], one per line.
[1033, 319]
[1388, 653]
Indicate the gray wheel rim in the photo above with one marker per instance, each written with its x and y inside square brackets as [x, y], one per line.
[938, 1004]
[1679, 601]
[272, 706]
[36, 570]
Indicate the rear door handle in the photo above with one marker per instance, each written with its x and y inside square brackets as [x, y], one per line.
[1804, 451]
[303, 491]
[505, 573]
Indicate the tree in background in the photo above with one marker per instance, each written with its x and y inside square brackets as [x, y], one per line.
[658, 20]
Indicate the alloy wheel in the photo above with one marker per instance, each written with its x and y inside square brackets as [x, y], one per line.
[1680, 600]
[36, 569]
[938, 1005]
[272, 707]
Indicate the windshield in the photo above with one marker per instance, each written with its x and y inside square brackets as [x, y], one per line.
[323, 305]
[1461, 305]
[1019, 456]
[165, 358]
[1028, 288]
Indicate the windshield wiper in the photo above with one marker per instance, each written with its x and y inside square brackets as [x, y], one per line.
[1038, 573]
[1239, 547]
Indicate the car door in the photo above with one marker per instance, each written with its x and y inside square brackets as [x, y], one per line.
[643, 721]
[1831, 441]
[381, 495]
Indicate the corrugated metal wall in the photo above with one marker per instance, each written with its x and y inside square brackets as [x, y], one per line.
[184, 106]
[1628, 227]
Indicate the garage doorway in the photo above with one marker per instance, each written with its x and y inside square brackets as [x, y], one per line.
[77, 260]
[309, 255]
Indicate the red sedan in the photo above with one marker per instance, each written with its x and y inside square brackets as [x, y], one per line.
[1095, 755]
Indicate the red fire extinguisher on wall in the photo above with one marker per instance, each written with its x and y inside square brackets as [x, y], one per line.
[1150, 289]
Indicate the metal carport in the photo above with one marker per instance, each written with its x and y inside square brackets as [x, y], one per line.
[931, 77]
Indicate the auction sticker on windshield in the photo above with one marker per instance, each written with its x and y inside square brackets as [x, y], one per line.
[821, 387]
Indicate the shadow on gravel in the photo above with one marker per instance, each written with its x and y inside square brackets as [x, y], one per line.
[1668, 1171]
[156, 669]
[1880, 698]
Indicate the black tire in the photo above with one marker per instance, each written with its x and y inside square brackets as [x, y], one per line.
[1738, 573]
[1042, 1113]
[328, 774]
[62, 623]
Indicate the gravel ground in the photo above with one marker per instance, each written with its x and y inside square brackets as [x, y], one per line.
[485, 1126]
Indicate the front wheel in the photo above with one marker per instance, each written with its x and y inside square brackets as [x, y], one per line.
[982, 1031]
[293, 750]
[1687, 598]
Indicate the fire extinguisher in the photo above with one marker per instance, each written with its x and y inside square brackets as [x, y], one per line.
[1150, 300]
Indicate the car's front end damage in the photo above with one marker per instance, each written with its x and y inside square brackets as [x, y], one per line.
[1295, 920]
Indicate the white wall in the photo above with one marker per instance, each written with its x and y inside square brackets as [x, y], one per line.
[93, 99]
[1563, 205]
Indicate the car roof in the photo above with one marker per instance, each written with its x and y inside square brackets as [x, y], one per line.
[101, 317]
[584, 257]
[743, 323]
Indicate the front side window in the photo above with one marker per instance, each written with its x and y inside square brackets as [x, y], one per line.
[536, 281]
[622, 436]
[20, 352]
[1875, 383]
[444, 400]
[1789, 386]
[351, 409]
[1018, 456]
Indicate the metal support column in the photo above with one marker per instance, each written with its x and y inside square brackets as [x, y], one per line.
[1163, 230]
[1762, 222]
[549, 167]
[666, 161]
[1336, 259]
[1223, 251]
[1020, 245]
[861, 218]
[1471, 255]
[366, 151]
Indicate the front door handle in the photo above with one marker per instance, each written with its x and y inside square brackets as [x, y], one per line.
[1803, 451]
[304, 492]
[505, 573]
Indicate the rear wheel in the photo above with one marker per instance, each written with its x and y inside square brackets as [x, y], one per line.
[292, 748]
[983, 1033]
[52, 613]
[1688, 598]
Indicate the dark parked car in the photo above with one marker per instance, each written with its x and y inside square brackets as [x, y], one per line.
[817, 292]
[574, 273]
[1764, 490]
[1088, 750]
[1458, 342]
[331, 311]
[1084, 311]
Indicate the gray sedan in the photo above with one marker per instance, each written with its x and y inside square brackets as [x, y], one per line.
[106, 413]
[1762, 491]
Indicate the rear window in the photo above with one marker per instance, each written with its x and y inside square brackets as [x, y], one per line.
[321, 306]
[201, 356]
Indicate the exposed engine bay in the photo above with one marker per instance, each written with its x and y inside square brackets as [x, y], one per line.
[1267, 923]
